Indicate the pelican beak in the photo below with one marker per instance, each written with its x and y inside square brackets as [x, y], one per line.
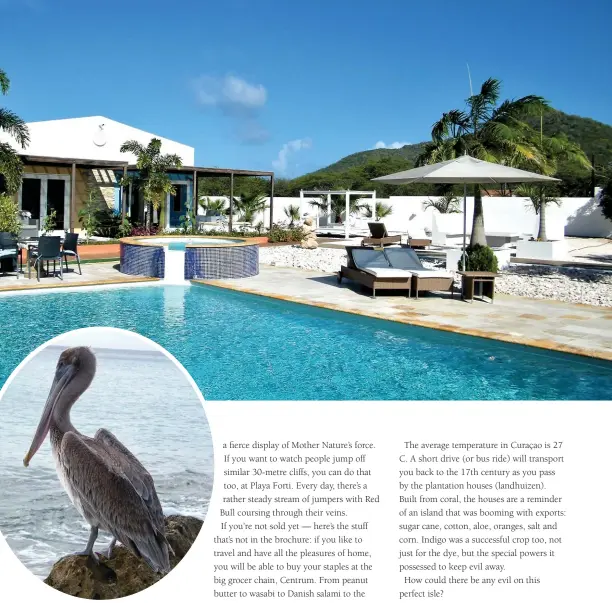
[63, 376]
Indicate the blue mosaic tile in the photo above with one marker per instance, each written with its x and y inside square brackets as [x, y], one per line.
[221, 262]
[142, 261]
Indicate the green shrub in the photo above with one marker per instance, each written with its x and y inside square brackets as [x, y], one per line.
[9, 215]
[285, 235]
[479, 258]
[107, 222]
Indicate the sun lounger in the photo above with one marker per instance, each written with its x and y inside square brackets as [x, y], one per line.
[371, 268]
[423, 279]
[394, 268]
[380, 237]
[417, 237]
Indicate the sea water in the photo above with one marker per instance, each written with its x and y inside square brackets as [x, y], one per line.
[139, 396]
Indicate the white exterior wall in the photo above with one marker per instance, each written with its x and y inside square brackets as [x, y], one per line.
[577, 217]
[83, 138]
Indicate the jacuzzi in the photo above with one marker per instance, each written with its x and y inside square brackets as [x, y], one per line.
[202, 257]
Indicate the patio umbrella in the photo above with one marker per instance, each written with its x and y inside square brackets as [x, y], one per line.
[466, 170]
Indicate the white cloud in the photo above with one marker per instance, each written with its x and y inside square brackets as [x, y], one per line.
[281, 163]
[236, 99]
[394, 145]
[230, 93]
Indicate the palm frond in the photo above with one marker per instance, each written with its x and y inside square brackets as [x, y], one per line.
[15, 127]
[5, 83]
[451, 124]
[132, 146]
[516, 110]
[11, 167]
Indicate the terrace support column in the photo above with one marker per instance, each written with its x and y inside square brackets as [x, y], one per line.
[374, 205]
[72, 196]
[271, 201]
[231, 204]
[328, 209]
[346, 214]
[195, 202]
[124, 194]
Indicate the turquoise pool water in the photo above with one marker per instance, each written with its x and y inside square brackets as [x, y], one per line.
[244, 347]
[179, 243]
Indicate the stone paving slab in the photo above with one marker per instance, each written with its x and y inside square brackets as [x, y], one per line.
[578, 329]
[103, 273]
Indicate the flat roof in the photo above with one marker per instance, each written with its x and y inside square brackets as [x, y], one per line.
[99, 163]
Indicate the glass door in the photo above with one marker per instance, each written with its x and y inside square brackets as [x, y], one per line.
[178, 204]
[55, 201]
[30, 196]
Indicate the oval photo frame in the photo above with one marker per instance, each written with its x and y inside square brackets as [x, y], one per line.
[139, 398]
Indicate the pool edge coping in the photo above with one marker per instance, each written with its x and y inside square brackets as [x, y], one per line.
[141, 241]
[70, 285]
[545, 344]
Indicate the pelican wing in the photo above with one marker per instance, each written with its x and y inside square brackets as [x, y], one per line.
[106, 493]
[125, 463]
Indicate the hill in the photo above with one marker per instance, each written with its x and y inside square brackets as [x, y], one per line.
[356, 170]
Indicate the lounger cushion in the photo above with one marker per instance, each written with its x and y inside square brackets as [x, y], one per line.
[388, 273]
[403, 258]
[425, 273]
[369, 258]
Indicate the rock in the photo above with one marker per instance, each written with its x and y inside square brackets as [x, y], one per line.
[124, 574]
[310, 237]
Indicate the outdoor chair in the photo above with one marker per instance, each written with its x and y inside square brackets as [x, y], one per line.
[70, 249]
[371, 268]
[9, 250]
[380, 237]
[49, 249]
[423, 279]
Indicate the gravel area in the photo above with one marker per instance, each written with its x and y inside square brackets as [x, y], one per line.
[574, 285]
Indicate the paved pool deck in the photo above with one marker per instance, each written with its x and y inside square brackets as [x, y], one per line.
[103, 273]
[573, 328]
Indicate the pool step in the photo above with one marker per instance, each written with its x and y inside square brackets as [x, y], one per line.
[175, 267]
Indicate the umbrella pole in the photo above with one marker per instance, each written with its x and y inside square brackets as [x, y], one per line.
[464, 224]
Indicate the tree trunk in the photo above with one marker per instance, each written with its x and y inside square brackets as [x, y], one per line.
[149, 216]
[542, 229]
[478, 231]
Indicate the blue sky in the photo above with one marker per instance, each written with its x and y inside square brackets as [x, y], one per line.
[293, 85]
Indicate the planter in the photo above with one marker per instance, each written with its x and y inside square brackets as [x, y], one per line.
[454, 255]
[541, 250]
[99, 252]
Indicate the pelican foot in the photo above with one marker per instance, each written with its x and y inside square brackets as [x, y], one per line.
[91, 554]
[108, 551]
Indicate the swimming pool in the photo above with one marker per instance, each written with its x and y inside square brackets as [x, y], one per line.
[244, 347]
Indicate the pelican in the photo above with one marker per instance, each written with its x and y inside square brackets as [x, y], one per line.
[104, 480]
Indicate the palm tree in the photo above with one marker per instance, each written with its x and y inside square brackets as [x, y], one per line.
[248, 205]
[381, 210]
[152, 177]
[538, 200]
[293, 213]
[446, 204]
[338, 206]
[490, 131]
[11, 166]
[217, 206]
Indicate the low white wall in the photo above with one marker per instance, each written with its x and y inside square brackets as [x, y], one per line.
[577, 217]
